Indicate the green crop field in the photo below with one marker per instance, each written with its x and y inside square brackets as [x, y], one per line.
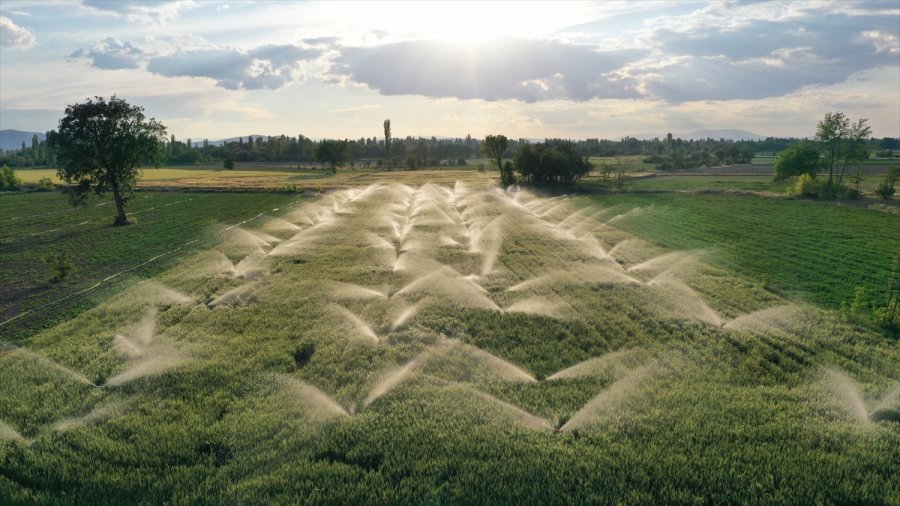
[699, 183]
[39, 230]
[410, 344]
[807, 250]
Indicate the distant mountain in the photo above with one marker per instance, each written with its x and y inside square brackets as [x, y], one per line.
[13, 139]
[729, 134]
[230, 139]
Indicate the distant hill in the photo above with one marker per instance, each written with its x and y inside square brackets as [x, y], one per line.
[729, 134]
[13, 139]
[230, 139]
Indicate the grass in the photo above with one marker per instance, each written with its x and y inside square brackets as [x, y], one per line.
[807, 250]
[722, 183]
[700, 183]
[631, 162]
[770, 160]
[40, 230]
[281, 394]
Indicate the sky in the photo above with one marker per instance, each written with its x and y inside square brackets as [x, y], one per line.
[215, 69]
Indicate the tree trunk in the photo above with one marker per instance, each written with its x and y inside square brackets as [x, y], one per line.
[333, 168]
[121, 219]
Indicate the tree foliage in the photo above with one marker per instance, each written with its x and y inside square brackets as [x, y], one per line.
[552, 162]
[797, 159]
[807, 185]
[387, 142]
[842, 143]
[493, 147]
[334, 153]
[101, 145]
[889, 314]
[8, 179]
[886, 188]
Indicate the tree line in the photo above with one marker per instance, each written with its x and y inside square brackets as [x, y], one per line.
[666, 153]
[101, 146]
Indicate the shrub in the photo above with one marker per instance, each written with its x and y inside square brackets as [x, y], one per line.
[507, 173]
[45, 184]
[808, 185]
[60, 267]
[620, 177]
[886, 189]
[858, 307]
[846, 192]
[229, 163]
[303, 353]
[8, 179]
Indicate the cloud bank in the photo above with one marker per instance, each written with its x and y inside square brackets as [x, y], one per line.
[265, 67]
[269, 66]
[756, 59]
[507, 69]
[720, 52]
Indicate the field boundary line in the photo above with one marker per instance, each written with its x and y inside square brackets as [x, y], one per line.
[124, 271]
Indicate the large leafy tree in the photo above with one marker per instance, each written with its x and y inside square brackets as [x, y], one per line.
[101, 145]
[800, 158]
[494, 146]
[552, 162]
[842, 143]
[334, 153]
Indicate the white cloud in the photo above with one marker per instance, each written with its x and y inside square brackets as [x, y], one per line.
[111, 54]
[351, 111]
[15, 36]
[748, 52]
[882, 41]
[141, 11]
[269, 66]
[265, 67]
[580, 70]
